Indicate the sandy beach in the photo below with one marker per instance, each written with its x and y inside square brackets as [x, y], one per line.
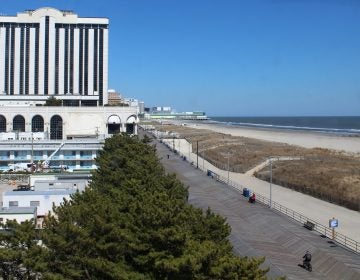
[298, 138]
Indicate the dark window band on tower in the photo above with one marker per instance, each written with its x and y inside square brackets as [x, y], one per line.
[21, 86]
[7, 52]
[81, 46]
[57, 35]
[71, 60]
[27, 59]
[66, 61]
[95, 71]
[12, 60]
[101, 70]
[46, 60]
[36, 85]
[86, 62]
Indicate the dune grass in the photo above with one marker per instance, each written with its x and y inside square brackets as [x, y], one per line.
[327, 174]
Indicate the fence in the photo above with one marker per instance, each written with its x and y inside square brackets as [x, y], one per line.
[325, 231]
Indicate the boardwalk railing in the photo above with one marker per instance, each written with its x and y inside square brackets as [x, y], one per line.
[323, 230]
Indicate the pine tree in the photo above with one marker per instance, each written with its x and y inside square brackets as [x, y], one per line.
[133, 222]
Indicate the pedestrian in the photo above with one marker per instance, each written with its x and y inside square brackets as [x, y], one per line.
[168, 156]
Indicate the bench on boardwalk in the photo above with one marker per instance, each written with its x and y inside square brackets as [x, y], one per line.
[309, 225]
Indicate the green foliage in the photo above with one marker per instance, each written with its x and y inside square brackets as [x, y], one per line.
[52, 101]
[20, 254]
[133, 222]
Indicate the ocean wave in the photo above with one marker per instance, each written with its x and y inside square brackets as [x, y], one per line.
[341, 131]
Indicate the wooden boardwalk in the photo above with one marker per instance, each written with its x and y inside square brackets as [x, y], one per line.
[260, 231]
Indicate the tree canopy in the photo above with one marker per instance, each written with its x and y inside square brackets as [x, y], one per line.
[133, 222]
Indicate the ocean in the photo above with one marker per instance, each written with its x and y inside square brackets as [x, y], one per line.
[349, 126]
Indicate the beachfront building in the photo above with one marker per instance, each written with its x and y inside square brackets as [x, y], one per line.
[53, 55]
[78, 154]
[51, 52]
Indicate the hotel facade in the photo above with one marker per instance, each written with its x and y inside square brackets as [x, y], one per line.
[51, 53]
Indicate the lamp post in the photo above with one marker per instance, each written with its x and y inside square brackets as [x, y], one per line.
[270, 182]
[189, 150]
[228, 167]
[32, 147]
[203, 156]
[197, 154]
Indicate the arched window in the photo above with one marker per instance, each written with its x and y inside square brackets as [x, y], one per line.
[130, 125]
[56, 127]
[114, 124]
[2, 123]
[19, 123]
[37, 124]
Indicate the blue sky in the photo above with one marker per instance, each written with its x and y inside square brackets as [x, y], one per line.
[230, 57]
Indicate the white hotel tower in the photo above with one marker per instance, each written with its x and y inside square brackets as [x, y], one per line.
[50, 52]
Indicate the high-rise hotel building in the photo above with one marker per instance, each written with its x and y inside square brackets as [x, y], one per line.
[47, 52]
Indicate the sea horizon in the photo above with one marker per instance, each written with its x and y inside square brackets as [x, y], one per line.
[339, 125]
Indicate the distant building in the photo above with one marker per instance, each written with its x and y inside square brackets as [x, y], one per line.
[197, 115]
[114, 98]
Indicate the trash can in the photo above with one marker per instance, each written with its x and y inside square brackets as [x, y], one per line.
[246, 192]
[209, 172]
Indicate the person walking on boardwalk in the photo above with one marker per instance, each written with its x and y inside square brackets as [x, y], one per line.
[307, 261]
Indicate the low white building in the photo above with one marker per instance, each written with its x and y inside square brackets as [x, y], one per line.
[60, 177]
[55, 185]
[20, 214]
[42, 200]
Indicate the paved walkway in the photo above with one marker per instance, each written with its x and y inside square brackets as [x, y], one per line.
[313, 208]
[259, 231]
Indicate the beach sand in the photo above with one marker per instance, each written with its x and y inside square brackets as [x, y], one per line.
[298, 138]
